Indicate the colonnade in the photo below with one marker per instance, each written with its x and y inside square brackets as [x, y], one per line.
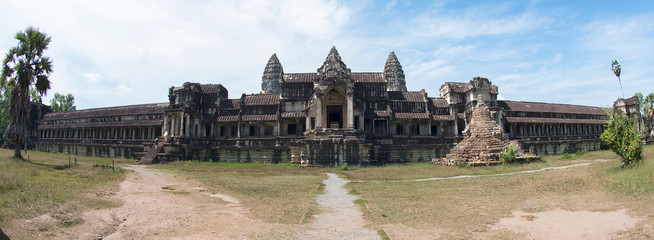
[553, 129]
[113, 133]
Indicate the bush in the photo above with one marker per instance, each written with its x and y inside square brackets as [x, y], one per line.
[622, 138]
[509, 153]
[342, 167]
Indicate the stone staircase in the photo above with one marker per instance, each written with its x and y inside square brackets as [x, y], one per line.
[151, 156]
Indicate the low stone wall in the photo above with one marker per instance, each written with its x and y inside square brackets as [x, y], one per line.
[557, 148]
[317, 152]
[98, 150]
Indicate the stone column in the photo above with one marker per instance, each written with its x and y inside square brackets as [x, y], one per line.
[319, 112]
[456, 126]
[308, 123]
[239, 128]
[410, 127]
[440, 131]
[350, 111]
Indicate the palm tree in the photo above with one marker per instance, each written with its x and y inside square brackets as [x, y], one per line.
[24, 67]
[617, 70]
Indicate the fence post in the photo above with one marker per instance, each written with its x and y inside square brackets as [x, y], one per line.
[68, 161]
[113, 165]
[75, 161]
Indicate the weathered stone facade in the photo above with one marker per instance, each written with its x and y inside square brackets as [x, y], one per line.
[483, 140]
[326, 118]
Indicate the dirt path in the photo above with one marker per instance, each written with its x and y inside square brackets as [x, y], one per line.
[342, 219]
[509, 173]
[561, 224]
[161, 205]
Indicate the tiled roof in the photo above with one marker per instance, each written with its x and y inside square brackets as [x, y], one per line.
[227, 118]
[261, 99]
[299, 114]
[263, 117]
[211, 88]
[310, 77]
[129, 123]
[442, 117]
[406, 96]
[230, 104]
[549, 108]
[439, 103]
[411, 115]
[142, 109]
[554, 120]
[381, 113]
[299, 77]
[368, 77]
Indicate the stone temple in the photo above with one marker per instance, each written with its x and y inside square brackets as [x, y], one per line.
[325, 118]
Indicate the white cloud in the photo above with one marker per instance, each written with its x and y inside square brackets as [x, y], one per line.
[475, 22]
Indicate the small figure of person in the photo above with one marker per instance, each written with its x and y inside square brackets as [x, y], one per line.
[156, 143]
[166, 136]
[26, 148]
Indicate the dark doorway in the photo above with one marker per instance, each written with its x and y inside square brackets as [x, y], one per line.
[335, 116]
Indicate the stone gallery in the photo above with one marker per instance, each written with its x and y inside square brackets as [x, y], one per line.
[323, 118]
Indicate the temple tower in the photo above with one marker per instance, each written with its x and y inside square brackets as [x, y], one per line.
[334, 94]
[393, 74]
[272, 76]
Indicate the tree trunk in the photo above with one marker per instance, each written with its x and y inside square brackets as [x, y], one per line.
[17, 151]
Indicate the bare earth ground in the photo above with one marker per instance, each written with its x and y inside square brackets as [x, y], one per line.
[342, 220]
[160, 205]
[561, 224]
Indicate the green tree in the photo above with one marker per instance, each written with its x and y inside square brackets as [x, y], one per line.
[623, 138]
[648, 113]
[63, 103]
[646, 110]
[35, 97]
[24, 67]
[4, 115]
[617, 70]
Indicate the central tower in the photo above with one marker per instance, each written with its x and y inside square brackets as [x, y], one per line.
[334, 94]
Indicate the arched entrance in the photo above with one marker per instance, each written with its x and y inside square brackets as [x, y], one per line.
[334, 102]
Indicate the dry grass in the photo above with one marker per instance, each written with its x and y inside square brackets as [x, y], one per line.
[466, 208]
[45, 185]
[276, 193]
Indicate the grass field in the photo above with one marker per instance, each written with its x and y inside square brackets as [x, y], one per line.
[464, 208]
[391, 202]
[45, 184]
[276, 193]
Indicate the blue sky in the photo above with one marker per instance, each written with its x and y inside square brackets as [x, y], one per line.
[110, 53]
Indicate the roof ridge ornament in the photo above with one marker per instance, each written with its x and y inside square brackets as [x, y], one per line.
[334, 68]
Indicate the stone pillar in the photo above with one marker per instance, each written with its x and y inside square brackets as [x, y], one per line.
[362, 122]
[350, 111]
[239, 128]
[187, 125]
[456, 126]
[319, 112]
[182, 120]
[439, 131]
[308, 123]
[410, 126]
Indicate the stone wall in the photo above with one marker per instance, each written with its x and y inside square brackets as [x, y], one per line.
[110, 151]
